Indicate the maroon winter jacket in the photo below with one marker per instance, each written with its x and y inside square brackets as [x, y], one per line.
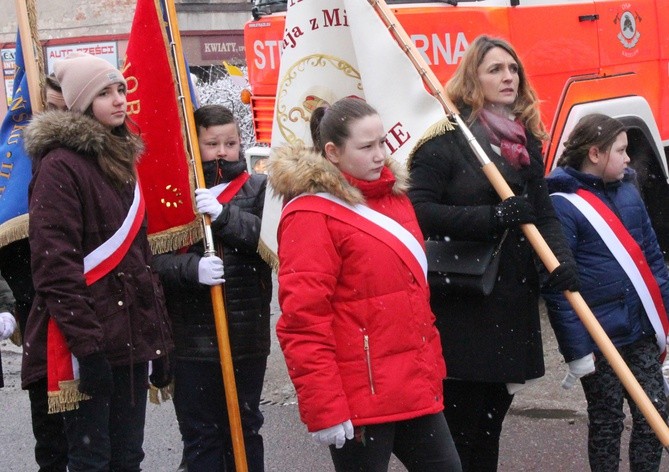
[74, 208]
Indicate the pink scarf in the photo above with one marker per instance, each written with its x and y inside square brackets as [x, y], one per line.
[509, 135]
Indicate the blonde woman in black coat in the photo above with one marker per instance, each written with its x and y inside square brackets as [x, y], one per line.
[492, 344]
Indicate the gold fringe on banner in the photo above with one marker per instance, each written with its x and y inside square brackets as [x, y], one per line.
[161, 395]
[175, 238]
[161, 242]
[67, 398]
[268, 255]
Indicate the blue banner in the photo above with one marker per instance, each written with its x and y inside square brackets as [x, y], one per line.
[15, 165]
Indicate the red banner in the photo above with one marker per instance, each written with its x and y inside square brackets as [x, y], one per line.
[164, 169]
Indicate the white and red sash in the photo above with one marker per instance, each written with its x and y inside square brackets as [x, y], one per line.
[230, 189]
[629, 255]
[109, 254]
[62, 366]
[376, 224]
[224, 194]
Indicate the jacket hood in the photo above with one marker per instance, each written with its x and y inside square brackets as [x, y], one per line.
[297, 170]
[569, 180]
[74, 131]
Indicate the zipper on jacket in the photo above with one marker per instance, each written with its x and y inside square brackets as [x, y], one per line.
[368, 357]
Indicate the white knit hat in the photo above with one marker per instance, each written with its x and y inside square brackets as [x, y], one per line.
[82, 76]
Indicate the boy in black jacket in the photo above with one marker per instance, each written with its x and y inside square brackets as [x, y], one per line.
[234, 200]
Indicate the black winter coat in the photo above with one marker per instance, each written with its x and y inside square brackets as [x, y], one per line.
[247, 288]
[6, 305]
[15, 269]
[495, 338]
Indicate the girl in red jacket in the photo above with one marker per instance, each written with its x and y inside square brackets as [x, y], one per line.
[356, 327]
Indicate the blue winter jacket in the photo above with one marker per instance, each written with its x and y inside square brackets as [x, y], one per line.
[604, 285]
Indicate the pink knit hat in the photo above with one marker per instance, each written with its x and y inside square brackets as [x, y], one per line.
[82, 76]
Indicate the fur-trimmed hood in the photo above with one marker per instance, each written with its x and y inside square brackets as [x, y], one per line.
[296, 170]
[74, 131]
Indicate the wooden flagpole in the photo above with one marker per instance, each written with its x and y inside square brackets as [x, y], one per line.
[220, 316]
[531, 232]
[26, 18]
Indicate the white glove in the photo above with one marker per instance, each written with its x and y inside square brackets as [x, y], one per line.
[7, 325]
[577, 369]
[210, 270]
[206, 203]
[336, 435]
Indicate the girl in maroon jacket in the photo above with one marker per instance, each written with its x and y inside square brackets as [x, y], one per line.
[356, 327]
[98, 305]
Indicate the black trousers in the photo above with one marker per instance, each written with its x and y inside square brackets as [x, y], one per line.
[49, 432]
[422, 444]
[106, 433]
[475, 412]
[200, 405]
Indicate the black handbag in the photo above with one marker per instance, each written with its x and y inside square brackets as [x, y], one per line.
[463, 267]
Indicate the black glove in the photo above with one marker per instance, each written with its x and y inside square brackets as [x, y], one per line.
[564, 277]
[161, 372]
[95, 375]
[514, 211]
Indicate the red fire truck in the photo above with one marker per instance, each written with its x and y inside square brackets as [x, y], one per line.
[582, 56]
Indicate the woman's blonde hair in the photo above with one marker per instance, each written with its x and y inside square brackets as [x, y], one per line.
[464, 87]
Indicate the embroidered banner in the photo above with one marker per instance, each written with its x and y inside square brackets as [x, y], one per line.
[15, 165]
[164, 169]
[334, 49]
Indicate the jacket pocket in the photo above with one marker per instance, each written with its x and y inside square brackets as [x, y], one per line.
[113, 314]
[609, 305]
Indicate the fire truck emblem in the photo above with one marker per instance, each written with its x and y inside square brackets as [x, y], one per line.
[297, 97]
[628, 35]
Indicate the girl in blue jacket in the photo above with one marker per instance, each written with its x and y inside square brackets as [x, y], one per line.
[606, 224]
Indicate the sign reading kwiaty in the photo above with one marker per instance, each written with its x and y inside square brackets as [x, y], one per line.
[339, 48]
[223, 47]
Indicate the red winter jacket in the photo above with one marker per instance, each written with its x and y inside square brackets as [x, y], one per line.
[356, 328]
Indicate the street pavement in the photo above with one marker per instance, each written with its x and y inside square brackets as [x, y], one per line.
[546, 429]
